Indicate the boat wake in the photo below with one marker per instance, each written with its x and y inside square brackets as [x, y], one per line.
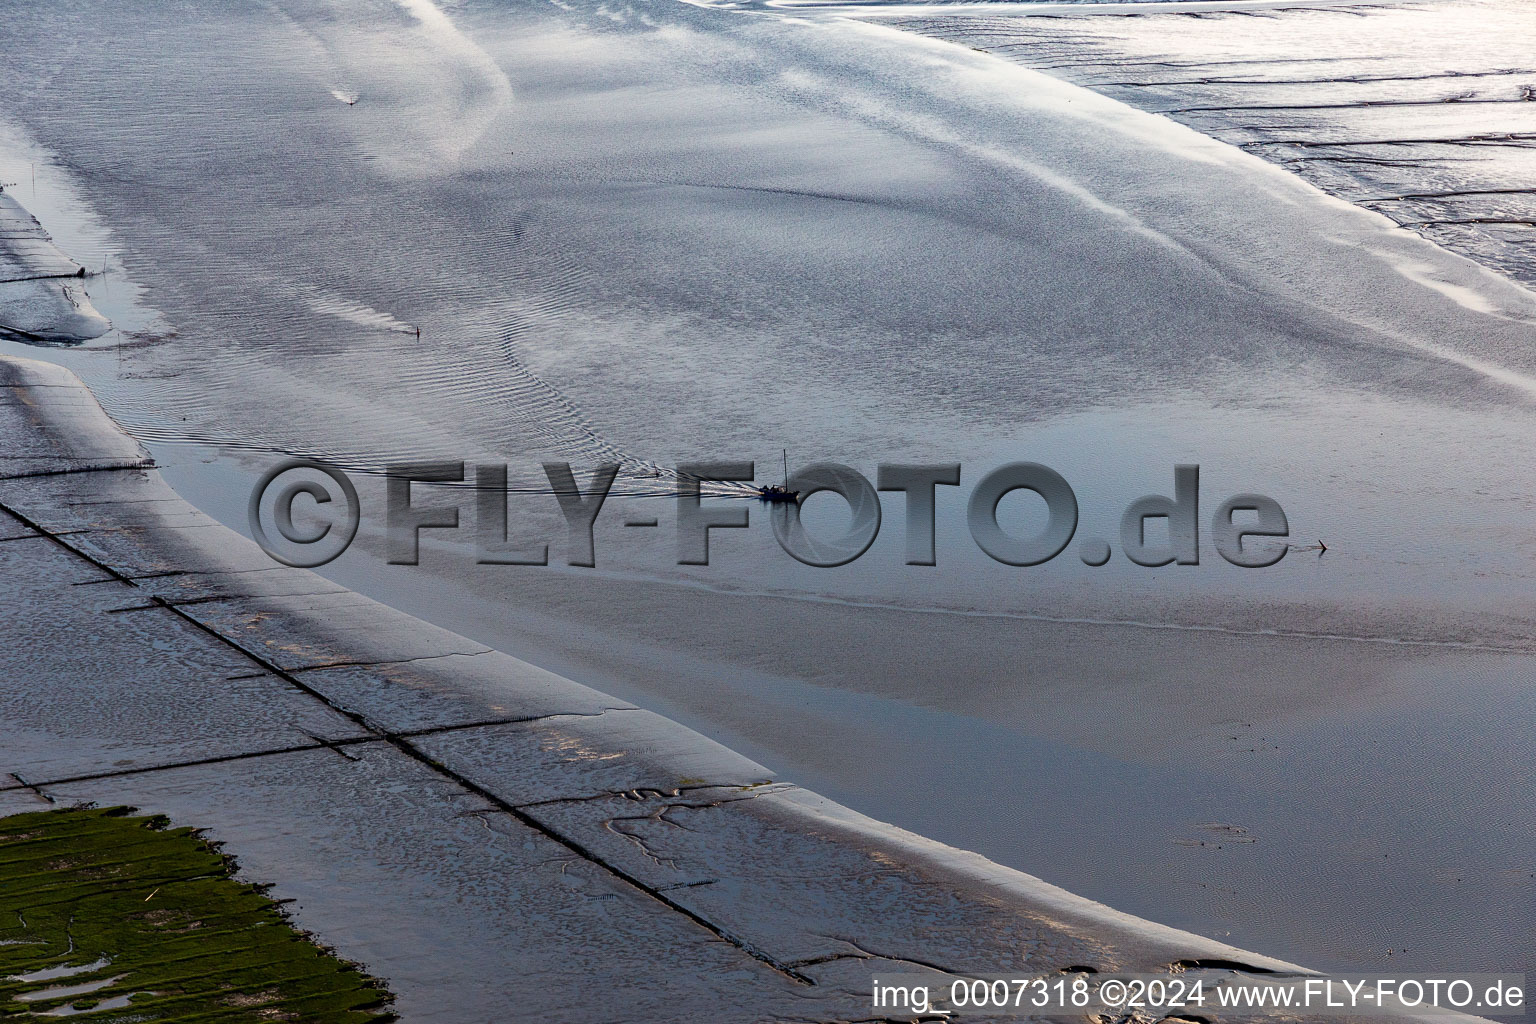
[426, 92]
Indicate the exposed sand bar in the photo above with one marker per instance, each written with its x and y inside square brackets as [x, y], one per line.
[1421, 111]
[42, 291]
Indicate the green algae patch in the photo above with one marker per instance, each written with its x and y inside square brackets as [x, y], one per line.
[114, 918]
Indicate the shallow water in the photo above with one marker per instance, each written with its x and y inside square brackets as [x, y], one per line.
[660, 231]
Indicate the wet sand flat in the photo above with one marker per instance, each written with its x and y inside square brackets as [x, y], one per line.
[1422, 112]
[690, 232]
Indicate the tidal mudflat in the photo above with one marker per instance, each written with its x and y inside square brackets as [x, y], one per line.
[474, 830]
[663, 231]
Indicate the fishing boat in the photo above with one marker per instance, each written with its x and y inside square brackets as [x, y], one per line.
[774, 492]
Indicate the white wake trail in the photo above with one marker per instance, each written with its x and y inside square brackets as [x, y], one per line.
[486, 91]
